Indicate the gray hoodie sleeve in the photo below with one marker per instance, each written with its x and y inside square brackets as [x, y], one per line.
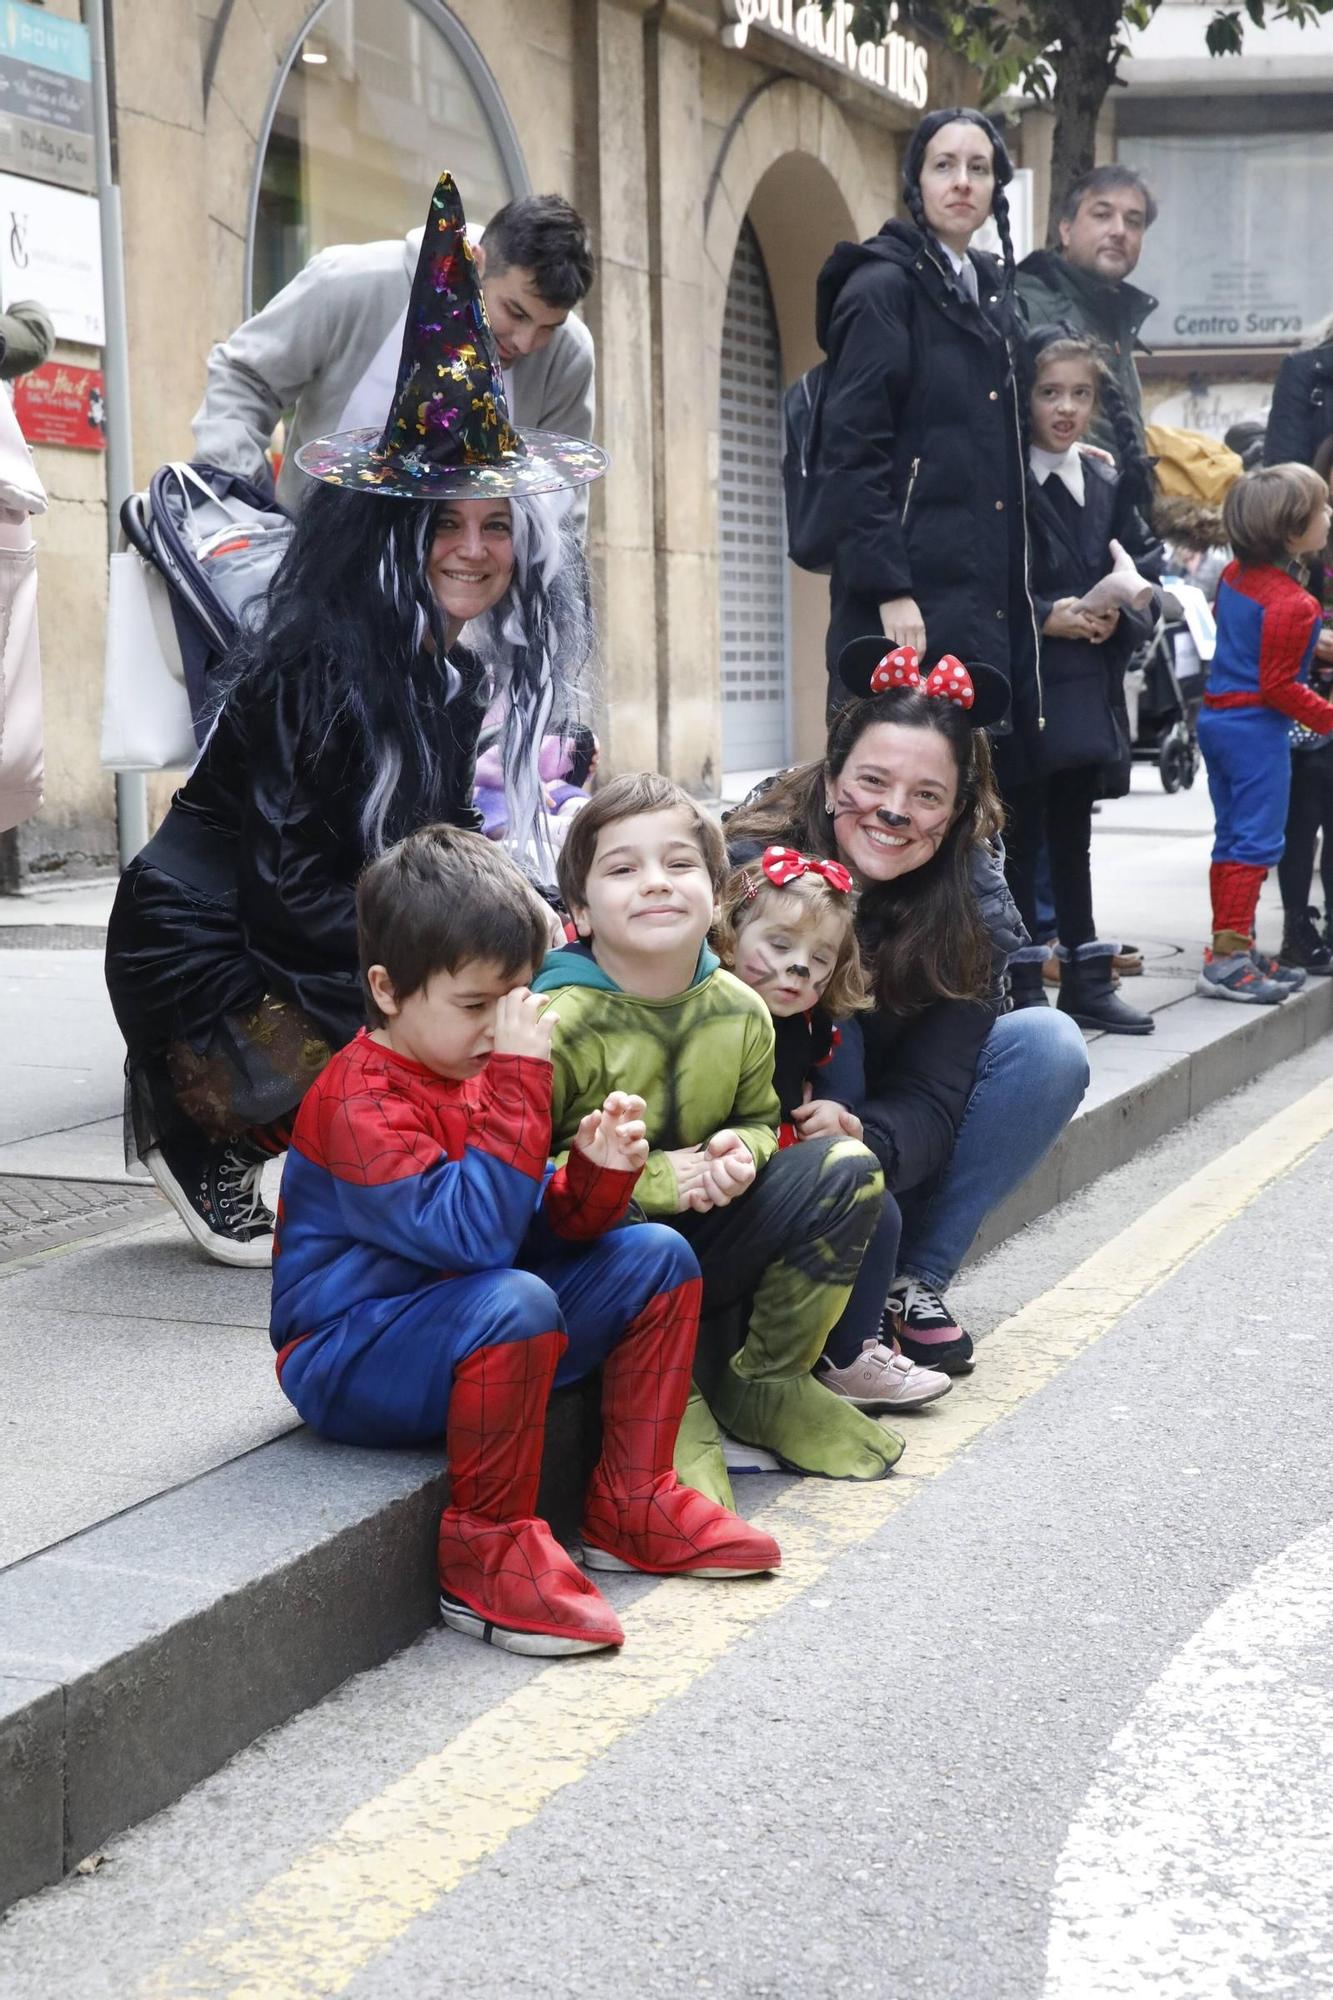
[265, 365]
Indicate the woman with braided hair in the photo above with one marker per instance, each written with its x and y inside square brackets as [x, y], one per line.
[1086, 526]
[920, 444]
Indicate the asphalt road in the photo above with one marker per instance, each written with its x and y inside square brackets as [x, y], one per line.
[1048, 1715]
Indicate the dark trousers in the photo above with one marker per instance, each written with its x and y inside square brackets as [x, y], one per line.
[1057, 809]
[1309, 813]
[780, 1262]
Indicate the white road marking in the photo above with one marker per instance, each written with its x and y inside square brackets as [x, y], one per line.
[1200, 1866]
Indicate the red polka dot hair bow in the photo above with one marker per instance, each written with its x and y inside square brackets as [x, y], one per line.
[949, 680]
[785, 864]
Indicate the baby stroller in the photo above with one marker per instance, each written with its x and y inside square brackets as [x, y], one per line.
[1174, 663]
[216, 541]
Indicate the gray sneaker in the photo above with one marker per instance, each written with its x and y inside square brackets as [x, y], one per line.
[1237, 977]
[1290, 976]
[882, 1379]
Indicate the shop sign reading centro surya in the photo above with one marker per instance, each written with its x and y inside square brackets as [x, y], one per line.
[894, 64]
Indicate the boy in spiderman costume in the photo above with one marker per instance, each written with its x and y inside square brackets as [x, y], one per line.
[434, 1277]
[1258, 686]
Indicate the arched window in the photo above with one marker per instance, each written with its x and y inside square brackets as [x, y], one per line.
[378, 96]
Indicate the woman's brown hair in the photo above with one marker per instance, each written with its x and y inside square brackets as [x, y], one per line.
[922, 937]
[747, 893]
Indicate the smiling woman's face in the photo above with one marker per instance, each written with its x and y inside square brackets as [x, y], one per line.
[471, 556]
[893, 801]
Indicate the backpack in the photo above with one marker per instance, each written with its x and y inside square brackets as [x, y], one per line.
[808, 543]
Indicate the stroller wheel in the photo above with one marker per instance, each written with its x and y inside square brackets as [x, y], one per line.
[1175, 763]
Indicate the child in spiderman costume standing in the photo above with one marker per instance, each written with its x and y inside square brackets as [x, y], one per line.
[1267, 627]
[433, 1277]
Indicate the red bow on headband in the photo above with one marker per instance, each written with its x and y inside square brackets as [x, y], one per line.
[950, 679]
[785, 864]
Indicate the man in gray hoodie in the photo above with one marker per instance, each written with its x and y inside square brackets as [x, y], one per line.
[326, 346]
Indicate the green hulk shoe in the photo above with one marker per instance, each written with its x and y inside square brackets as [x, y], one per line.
[806, 1426]
[699, 1462]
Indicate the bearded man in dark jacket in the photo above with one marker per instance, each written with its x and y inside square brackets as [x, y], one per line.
[1083, 287]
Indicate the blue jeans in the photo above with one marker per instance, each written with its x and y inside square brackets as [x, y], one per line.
[1031, 1074]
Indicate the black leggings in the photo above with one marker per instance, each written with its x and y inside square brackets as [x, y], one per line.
[1309, 814]
[1057, 809]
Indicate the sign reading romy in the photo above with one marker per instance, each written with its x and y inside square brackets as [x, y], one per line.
[46, 97]
[895, 64]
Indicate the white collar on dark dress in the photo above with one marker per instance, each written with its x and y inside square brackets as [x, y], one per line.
[1067, 466]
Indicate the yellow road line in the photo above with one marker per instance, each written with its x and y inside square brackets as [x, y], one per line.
[307, 1933]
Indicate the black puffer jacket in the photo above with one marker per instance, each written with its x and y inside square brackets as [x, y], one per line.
[249, 885]
[918, 1072]
[1302, 413]
[1084, 685]
[919, 455]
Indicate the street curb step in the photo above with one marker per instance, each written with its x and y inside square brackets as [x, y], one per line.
[138, 1656]
[1144, 1088]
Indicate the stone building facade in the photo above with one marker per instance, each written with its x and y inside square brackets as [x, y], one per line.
[719, 148]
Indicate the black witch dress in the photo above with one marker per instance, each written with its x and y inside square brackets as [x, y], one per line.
[231, 951]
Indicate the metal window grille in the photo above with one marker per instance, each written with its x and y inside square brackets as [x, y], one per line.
[755, 664]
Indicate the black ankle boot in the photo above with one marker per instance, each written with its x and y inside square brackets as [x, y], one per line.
[1086, 993]
[1026, 986]
[1301, 943]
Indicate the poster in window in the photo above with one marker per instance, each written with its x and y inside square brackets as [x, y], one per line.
[1236, 255]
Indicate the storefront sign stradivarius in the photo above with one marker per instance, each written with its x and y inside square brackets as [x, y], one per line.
[894, 64]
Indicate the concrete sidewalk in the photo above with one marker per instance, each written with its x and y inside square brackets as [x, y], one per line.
[180, 1565]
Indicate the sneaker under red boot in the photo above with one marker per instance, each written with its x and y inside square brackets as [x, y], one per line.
[504, 1577]
[637, 1515]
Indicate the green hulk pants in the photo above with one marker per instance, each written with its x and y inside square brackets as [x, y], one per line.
[786, 1253]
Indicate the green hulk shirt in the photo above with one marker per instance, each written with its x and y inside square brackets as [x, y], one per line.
[701, 1061]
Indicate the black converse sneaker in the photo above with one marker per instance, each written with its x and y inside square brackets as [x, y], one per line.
[215, 1192]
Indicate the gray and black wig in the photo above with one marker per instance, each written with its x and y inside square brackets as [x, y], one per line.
[352, 608]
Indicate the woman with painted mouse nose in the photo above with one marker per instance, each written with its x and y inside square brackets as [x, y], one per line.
[958, 1101]
[920, 458]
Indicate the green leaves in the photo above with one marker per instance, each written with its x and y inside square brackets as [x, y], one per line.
[1013, 41]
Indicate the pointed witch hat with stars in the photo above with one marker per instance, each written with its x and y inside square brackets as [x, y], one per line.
[448, 436]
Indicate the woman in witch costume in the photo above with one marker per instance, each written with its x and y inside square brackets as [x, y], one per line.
[351, 718]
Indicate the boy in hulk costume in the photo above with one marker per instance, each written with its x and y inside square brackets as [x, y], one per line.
[645, 1005]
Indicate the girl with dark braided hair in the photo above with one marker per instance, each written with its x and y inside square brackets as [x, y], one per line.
[1086, 522]
[920, 443]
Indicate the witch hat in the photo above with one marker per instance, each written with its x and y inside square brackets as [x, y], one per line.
[448, 436]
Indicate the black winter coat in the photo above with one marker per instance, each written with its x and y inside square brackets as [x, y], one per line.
[1083, 686]
[249, 885]
[1302, 413]
[920, 461]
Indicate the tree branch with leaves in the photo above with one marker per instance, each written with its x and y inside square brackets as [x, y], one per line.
[1066, 53]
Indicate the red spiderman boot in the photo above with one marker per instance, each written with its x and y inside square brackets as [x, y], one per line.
[503, 1575]
[636, 1514]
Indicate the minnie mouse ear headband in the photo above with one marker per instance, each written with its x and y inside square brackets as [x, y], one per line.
[871, 666]
[782, 865]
